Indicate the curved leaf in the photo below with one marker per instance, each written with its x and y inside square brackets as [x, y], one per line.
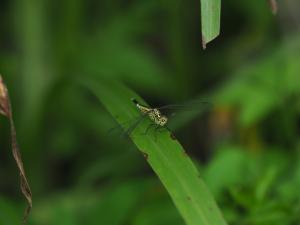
[164, 154]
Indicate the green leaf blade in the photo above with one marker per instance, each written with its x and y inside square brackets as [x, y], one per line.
[210, 20]
[165, 155]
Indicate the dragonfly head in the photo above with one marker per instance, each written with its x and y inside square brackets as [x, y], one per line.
[163, 120]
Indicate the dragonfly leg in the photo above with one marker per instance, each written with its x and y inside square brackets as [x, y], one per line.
[120, 127]
[158, 128]
[149, 128]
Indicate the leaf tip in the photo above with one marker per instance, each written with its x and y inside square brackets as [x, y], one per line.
[203, 43]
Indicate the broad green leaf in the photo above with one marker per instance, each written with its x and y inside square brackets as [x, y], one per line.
[226, 169]
[210, 19]
[164, 154]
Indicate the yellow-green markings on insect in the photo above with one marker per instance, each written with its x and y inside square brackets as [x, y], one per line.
[153, 113]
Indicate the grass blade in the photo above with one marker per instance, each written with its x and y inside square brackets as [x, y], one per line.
[164, 154]
[210, 19]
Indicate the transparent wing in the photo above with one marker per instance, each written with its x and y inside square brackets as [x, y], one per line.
[131, 128]
[120, 127]
[195, 105]
[131, 125]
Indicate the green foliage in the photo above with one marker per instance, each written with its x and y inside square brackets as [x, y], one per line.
[246, 145]
[254, 181]
[260, 88]
[8, 211]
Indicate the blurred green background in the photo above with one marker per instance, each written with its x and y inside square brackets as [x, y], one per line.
[247, 146]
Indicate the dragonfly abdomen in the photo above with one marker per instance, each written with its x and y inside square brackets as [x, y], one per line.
[142, 108]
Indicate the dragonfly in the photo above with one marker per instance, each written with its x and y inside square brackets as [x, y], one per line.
[159, 116]
[153, 113]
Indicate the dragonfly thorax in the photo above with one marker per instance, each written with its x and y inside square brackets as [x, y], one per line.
[156, 116]
[153, 113]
